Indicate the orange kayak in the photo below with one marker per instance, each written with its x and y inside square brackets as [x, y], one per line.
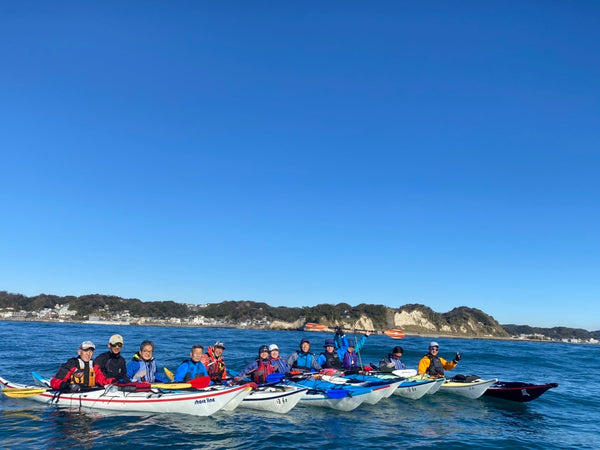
[395, 334]
[315, 326]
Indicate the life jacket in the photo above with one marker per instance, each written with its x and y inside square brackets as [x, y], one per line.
[350, 361]
[435, 365]
[214, 366]
[264, 368]
[85, 376]
[332, 361]
[150, 375]
[304, 361]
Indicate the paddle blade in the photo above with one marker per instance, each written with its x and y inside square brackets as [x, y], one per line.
[336, 393]
[200, 382]
[170, 375]
[23, 393]
[404, 373]
[275, 377]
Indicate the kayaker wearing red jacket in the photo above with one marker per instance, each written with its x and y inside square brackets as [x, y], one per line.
[433, 365]
[79, 372]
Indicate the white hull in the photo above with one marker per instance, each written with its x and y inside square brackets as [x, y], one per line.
[322, 400]
[470, 390]
[203, 402]
[414, 390]
[276, 399]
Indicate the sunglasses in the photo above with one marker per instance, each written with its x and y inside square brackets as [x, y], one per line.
[118, 344]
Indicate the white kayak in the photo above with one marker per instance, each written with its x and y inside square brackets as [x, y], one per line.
[380, 388]
[330, 395]
[409, 385]
[279, 398]
[470, 389]
[202, 402]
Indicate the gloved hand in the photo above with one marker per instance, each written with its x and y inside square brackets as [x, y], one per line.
[75, 388]
[457, 357]
[339, 331]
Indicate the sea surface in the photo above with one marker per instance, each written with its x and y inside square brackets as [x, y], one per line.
[565, 417]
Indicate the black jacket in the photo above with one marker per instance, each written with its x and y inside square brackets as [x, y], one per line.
[113, 366]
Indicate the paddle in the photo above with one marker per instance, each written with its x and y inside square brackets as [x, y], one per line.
[336, 393]
[275, 377]
[23, 393]
[197, 383]
[404, 373]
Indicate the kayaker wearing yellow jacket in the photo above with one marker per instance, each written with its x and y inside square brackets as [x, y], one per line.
[433, 365]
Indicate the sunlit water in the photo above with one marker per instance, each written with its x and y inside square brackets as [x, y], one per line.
[565, 417]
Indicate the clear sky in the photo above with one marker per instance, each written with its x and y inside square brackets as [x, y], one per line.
[298, 153]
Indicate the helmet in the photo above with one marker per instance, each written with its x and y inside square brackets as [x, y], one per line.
[263, 348]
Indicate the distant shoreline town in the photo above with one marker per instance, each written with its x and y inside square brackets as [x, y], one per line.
[413, 319]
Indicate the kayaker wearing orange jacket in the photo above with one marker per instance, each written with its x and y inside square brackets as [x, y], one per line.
[433, 365]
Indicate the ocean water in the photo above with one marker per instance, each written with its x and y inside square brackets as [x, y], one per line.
[565, 417]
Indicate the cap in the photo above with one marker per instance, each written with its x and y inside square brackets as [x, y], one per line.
[329, 343]
[116, 339]
[85, 345]
[304, 340]
[263, 348]
[351, 343]
[434, 344]
[273, 347]
[219, 344]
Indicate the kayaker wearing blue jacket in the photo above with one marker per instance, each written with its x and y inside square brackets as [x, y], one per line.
[192, 368]
[330, 358]
[303, 359]
[393, 361]
[279, 364]
[142, 366]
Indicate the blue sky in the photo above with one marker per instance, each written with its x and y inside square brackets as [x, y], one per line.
[304, 153]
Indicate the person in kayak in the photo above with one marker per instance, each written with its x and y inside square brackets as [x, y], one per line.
[303, 359]
[215, 363]
[393, 361]
[111, 363]
[433, 365]
[193, 367]
[258, 369]
[349, 349]
[280, 365]
[79, 372]
[143, 367]
[330, 358]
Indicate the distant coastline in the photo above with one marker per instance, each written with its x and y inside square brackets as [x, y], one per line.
[328, 331]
